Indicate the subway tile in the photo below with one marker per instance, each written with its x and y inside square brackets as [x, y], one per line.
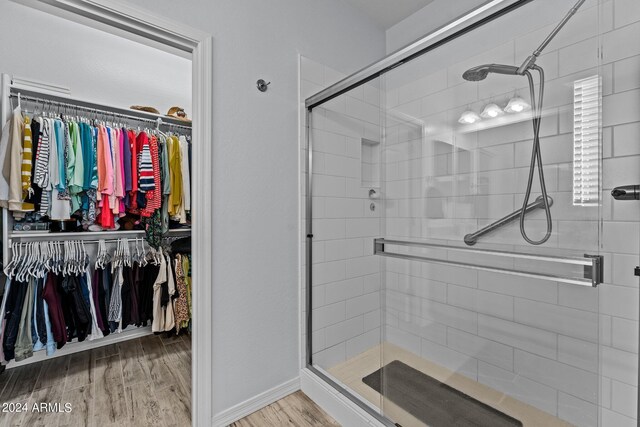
[577, 411]
[578, 353]
[330, 357]
[614, 419]
[626, 75]
[483, 302]
[582, 298]
[535, 289]
[362, 304]
[332, 76]
[425, 328]
[342, 249]
[344, 331]
[372, 320]
[317, 341]
[624, 334]
[620, 301]
[480, 348]
[362, 343]
[363, 227]
[362, 266]
[626, 136]
[450, 359]
[605, 392]
[343, 290]
[571, 322]
[372, 283]
[624, 399]
[619, 365]
[516, 335]
[555, 149]
[579, 56]
[616, 237]
[403, 339]
[308, 88]
[328, 186]
[327, 142]
[519, 387]
[328, 315]
[606, 330]
[326, 272]
[574, 381]
[621, 108]
[455, 317]
[626, 12]
[620, 169]
[616, 44]
[423, 288]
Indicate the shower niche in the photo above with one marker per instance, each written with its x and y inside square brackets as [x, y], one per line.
[370, 163]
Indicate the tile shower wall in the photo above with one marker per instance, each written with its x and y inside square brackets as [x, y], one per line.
[564, 349]
[346, 314]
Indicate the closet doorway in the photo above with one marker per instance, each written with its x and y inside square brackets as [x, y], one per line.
[135, 25]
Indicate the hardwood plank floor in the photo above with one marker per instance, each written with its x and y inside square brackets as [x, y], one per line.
[141, 382]
[295, 410]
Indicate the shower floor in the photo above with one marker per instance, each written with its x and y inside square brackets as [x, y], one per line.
[351, 373]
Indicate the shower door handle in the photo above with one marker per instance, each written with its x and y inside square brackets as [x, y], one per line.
[626, 192]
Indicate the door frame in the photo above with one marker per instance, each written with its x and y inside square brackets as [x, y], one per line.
[125, 20]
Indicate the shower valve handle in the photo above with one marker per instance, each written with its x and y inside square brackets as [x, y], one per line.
[626, 192]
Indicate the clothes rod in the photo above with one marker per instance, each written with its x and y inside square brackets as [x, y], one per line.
[75, 104]
[592, 264]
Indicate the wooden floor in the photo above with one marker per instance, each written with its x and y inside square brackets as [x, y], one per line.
[141, 382]
[295, 410]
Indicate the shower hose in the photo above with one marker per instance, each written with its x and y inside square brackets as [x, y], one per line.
[536, 156]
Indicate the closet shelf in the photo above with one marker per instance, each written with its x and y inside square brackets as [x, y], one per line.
[90, 234]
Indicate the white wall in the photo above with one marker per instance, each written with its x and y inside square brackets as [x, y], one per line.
[256, 271]
[427, 19]
[96, 66]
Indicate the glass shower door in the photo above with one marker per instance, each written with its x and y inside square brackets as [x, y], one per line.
[505, 337]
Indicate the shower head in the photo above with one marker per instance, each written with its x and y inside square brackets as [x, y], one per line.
[480, 72]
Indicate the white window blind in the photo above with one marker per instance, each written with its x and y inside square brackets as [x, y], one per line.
[587, 123]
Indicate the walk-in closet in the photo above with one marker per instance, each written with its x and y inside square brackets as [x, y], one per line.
[95, 197]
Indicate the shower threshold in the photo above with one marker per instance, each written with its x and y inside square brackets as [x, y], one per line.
[351, 374]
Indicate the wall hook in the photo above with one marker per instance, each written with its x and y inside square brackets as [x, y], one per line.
[262, 85]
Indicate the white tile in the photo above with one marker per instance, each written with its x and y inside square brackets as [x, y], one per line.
[330, 357]
[577, 411]
[448, 274]
[363, 342]
[372, 320]
[363, 227]
[308, 88]
[343, 290]
[624, 399]
[328, 186]
[626, 74]
[576, 323]
[619, 365]
[332, 76]
[403, 339]
[621, 108]
[498, 157]
[480, 348]
[342, 249]
[483, 302]
[614, 419]
[327, 142]
[362, 304]
[605, 392]
[536, 289]
[579, 56]
[344, 331]
[455, 317]
[625, 334]
[620, 301]
[450, 359]
[516, 335]
[615, 237]
[317, 341]
[326, 272]
[579, 297]
[363, 266]
[616, 44]
[623, 270]
[519, 387]
[578, 353]
[606, 330]
[328, 315]
[626, 12]
[625, 138]
[576, 382]
[424, 328]
[421, 287]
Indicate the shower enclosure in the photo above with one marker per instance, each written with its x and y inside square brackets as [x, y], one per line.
[425, 304]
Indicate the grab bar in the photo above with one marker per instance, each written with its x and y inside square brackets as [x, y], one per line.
[593, 264]
[472, 238]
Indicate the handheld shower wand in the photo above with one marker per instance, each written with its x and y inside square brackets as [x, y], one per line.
[480, 73]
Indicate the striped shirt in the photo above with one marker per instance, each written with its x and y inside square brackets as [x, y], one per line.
[27, 147]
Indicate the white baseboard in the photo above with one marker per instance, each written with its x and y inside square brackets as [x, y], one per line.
[343, 410]
[256, 403]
